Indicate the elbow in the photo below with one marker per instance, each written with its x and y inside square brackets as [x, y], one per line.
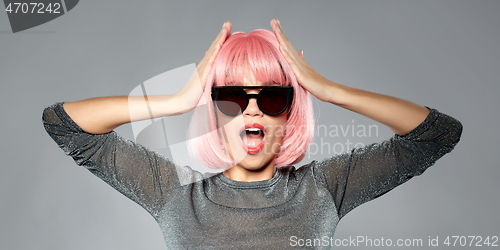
[48, 117]
[456, 129]
[452, 134]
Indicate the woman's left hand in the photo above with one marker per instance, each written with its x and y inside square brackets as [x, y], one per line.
[400, 115]
[309, 78]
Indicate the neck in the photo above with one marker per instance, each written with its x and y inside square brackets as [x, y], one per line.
[239, 173]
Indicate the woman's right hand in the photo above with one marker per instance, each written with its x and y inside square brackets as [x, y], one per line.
[190, 95]
[103, 114]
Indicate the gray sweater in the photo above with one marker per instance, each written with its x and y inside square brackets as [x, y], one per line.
[199, 211]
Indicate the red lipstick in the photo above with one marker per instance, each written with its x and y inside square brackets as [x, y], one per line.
[251, 141]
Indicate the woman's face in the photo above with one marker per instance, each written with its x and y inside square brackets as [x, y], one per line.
[252, 139]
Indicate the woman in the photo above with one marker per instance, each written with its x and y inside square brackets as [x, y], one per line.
[262, 117]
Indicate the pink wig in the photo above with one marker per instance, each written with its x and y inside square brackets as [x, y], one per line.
[258, 51]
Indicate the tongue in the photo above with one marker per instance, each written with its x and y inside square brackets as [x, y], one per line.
[252, 139]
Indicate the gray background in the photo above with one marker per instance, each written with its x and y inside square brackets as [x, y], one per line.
[442, 54]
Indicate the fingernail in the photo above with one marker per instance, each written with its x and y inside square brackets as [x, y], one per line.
[224, 25]
[276, 21]
[283, 47]
[279, 23]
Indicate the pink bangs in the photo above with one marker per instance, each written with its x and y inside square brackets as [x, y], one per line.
[259, 52]
[255, 51]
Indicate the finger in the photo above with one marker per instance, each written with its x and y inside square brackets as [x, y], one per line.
[280, 35]
[221, 37]
[211, 59]
[214, 47]
[301, 53]
[278, 30]
[226, 30]
[274, 26]
[286, 53]
[224, 34]
[218, 35]
[218, 38]
[229, 26]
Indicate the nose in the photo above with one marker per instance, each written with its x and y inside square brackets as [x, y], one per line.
[252, 108]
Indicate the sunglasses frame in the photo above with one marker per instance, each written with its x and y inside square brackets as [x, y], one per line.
[287, 89]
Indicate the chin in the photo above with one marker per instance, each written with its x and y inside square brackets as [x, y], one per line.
[255, 162]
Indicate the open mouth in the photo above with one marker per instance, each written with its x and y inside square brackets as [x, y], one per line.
[253, 137]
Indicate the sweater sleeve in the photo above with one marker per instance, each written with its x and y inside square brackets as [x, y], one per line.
[369, 172]
[142, 175]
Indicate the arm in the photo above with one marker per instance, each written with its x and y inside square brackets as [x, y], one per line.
[83, 130]
[102, 115]
[369, 172]
[399, 115]
[140, 174]
[423, 136]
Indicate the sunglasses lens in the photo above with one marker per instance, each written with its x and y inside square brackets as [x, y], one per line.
[272, 101]
[231, 101]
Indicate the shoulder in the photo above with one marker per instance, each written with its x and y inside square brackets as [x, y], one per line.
[308, 171]
[188, 176]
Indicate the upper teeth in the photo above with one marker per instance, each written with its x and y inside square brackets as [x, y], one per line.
[252, 129]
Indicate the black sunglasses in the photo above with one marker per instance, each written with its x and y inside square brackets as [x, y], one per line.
[233, 100]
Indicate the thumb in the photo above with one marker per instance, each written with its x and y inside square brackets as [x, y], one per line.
[301, 53]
